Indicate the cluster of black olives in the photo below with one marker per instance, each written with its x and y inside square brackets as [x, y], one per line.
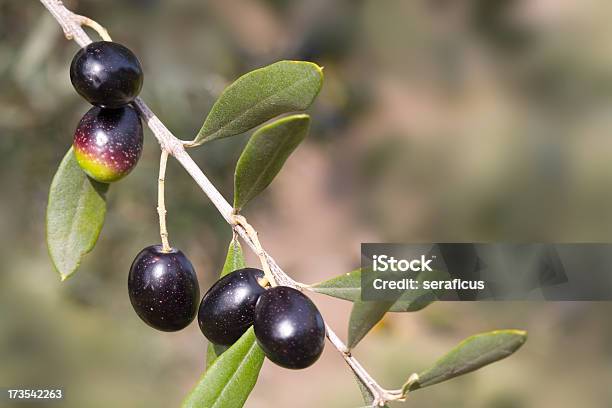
[164, 292]
[108, 140]
[288, 326]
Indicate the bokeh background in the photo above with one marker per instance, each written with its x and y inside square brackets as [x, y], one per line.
[439, 120]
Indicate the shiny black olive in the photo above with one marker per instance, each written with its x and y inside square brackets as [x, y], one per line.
[106, 74]
[163, 288]
[227, 310]
[289, 327]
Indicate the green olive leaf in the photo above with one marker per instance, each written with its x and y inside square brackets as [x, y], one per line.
[75, 215]
[234, 260]
[347, 286]
[265, 154]
[260, 95]
[417, 299]
[229, 380]
[471, 354]
[213, 351]
[364, 316]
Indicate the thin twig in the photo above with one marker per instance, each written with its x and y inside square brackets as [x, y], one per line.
[71, 25]
[161, 203]
[86, 21]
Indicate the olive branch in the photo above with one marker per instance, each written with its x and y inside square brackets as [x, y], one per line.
[469, 355]
[71, 24]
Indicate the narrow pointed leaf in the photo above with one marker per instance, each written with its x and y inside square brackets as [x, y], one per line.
[265, 154]
[347, 286]
[364, 316]
[260, 95]
[229, 380]
[417, 299]
[234, 260]
[213, 351]
[412, 302]
[75, 215]
[471, 354]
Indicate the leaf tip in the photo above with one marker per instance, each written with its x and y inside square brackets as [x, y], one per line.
[317, 68]
[352, 341]
[522, 334]
[300, 117]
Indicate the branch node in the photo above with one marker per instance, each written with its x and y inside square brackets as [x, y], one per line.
[239, 221]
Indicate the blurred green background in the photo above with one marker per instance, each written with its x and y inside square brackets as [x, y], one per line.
[439, 120]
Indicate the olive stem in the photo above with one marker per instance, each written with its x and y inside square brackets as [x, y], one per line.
[86, 21]
[161, 203]
[240, 220]
[71, 25]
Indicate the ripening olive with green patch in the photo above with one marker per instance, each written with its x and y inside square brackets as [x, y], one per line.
[108, 143]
